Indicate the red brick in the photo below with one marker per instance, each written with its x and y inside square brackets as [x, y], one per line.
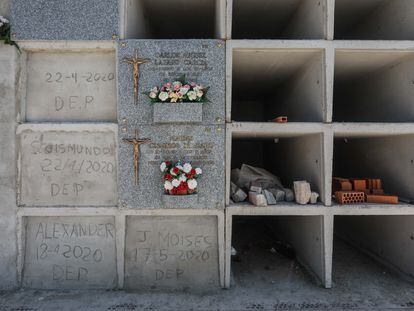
[382, 199]
[359, 184]
[377, 191]
[349, 197]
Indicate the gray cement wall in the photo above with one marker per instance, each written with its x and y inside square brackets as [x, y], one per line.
[9, 70]
[5, 8]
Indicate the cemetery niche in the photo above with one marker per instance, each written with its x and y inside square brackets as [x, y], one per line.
[276, 173]
[172, 253]
[66, 86]
[67, 165]
[270, 83]
[70, 253]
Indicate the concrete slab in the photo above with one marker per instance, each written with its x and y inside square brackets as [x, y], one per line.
[65, 20]
[67, 165]
[70, 253]
[172, 253]
[64, 85]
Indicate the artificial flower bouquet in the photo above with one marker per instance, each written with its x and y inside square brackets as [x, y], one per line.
[180, 178]
[180, 91]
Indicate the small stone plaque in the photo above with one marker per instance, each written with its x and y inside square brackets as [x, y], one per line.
[70, 253]
[202, 61]
[64, 19]
[203, 146]
[171, 253]
[71, 86]
[67, 165]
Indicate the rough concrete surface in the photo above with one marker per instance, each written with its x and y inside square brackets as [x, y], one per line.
[8, 207]
[270, 282]
[5, 8]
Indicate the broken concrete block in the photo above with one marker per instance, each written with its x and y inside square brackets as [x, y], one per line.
[278, 194]
[302, 192]
[257, 199]
[289, 195]
[256, 187]
[269, 197]
[237, 194]
[314, 197]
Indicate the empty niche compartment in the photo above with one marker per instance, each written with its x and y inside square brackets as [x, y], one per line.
[279, 19]
[389, 158]
[374, 19]
[291, 158]
[374, 86]
[153, 19]
[270, 251]
[387, 239]
[268, 83]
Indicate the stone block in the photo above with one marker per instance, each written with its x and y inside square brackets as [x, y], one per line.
[201, 145]
[178, 113]
[70, 253]
[257, 199]
[171, 253]
[67, 165]
[202, 61]
[271, 200]
[278, 194]
[70, 86]
[314, 197]
[289, 195]
[237, 194]
[65, 20]
[256, 187]
[302, 192]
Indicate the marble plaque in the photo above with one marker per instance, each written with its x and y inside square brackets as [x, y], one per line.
[202, 61]
[71, 86]
[171, 253]
[67, 165]
[70, 253]
[64, 19]
[203, 146]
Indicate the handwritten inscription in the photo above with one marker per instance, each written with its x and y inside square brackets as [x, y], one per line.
[71, 86]
[70, 250]
[68, 168]
[163, 255]
[193, 64]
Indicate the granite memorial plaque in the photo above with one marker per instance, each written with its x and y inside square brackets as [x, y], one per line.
[202, 145]
[70, 253]
[67, 165]
[160, 61]
[65, 19]
[171, 253]
[71, 86]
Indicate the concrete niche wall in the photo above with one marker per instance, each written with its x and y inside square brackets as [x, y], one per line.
[291, 157]
[387, 157]
[374, 19]
[374, 86]
[68, 84]
[267, 83]
[277, 19]
[388, 239]
[152, 19]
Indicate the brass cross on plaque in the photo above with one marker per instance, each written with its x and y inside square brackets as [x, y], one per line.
[136, 62]
[136, 142]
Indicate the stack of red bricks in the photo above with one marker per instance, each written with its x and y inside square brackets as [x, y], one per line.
[361, 190]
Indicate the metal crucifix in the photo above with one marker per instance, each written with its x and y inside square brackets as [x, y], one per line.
[136, 142]
[136, 62]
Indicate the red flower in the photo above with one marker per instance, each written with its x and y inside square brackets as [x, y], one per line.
[176, 170]
[173, 191]
[193, 172]
[168, 177]
[168, 163]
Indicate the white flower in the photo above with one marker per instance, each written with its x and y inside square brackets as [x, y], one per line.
[184, 90]
[176, 182]
[154, 89]
[192, 95]
[168, 185]
[199, 171]
[179, 166]
[187, 168]
[200, 94]
[4, 20]
[183, 178]
[172, 172]
[192, 184]
[163, 96]
[163, 167]
[153, 95]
